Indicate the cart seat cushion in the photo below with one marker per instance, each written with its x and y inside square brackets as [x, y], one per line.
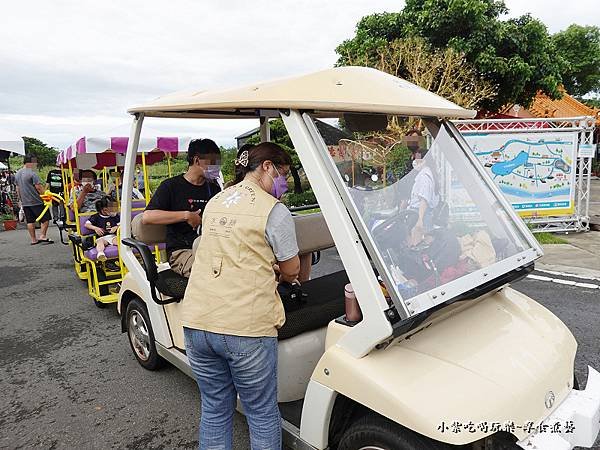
[325, 302]
[148, 234]
[112, 251]
[83, 219]
[137, 204]
[171, 284]
[312, 233]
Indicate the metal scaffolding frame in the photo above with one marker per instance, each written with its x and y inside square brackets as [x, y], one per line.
[579, 220]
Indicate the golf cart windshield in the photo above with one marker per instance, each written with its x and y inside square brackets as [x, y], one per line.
[434, 227]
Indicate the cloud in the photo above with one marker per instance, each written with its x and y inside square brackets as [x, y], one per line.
[582, 12]
[71, 67]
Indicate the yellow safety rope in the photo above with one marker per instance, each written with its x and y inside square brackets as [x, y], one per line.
[47, 197]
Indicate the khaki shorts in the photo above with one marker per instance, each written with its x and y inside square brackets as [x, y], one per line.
[109, 239]
[181, 261]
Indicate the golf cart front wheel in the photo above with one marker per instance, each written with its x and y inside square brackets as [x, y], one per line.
[141, 337]
[374, 432]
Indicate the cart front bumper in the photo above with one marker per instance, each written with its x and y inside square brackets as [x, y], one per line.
[579, 419]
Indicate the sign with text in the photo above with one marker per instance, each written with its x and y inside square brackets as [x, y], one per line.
[535, 171]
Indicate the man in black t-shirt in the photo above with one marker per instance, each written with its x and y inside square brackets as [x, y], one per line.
[54, 183]
[179, 201]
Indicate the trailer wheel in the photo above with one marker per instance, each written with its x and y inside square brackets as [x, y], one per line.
[103, 289]
[141, 337]
[374, 432]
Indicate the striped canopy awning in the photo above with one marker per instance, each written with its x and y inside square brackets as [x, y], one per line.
[99, 152]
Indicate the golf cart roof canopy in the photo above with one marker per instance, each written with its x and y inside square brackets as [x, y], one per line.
[341, 89]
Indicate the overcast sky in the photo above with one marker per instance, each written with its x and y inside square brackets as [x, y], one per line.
[72, 68]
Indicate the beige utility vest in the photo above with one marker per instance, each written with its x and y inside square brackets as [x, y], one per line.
[232, 287]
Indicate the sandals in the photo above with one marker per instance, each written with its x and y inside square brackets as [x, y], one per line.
[43, 241]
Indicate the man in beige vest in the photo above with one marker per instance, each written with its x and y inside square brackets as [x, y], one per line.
[231, 307]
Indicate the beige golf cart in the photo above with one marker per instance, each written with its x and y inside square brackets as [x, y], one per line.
[445, 353]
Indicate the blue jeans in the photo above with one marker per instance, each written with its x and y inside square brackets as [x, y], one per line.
[225, 366]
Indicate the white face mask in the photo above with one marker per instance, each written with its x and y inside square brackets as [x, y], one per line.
[417, 164]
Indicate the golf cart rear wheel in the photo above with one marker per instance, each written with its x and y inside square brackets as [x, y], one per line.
[141, 337]
[374, 432]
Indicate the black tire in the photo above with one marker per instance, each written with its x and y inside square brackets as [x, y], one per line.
[99, 304]
[575, 382]
[375, 431]
[141, 336]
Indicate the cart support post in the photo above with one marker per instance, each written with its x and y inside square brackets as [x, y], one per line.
[265, 131]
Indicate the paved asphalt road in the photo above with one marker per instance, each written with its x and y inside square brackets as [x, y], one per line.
[68, 378]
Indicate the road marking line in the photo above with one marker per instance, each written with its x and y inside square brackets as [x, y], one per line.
[564, 274]
[561, 281]
[565, 282]
[587, 285]
[539, 277]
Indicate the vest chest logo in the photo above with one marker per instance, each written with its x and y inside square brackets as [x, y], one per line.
[232, 199]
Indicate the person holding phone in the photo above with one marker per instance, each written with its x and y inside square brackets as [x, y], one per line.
[86, 193]
[179, 201]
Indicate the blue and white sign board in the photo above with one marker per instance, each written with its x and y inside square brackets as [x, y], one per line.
[535, 171]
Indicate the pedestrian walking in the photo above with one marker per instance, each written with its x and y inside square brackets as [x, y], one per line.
[29, 188]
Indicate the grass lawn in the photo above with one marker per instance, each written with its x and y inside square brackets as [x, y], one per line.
[549, 238]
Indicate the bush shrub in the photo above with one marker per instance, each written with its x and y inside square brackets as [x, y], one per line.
[303, 199]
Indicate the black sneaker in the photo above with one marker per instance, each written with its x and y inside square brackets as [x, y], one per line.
[112, 266]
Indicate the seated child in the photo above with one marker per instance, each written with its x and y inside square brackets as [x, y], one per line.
[105, 225]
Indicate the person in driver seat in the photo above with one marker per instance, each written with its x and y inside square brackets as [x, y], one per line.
[179, 201]
[231, 310]
[423, 199]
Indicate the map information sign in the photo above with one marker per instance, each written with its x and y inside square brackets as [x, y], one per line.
[535, 171]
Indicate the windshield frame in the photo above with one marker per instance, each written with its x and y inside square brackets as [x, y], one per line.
[408, 308]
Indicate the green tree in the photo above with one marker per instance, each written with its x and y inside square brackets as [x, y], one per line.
[442, 71]
[591, 102]
[579, 46]
[46, 156]
[517, 55]
[227, 163]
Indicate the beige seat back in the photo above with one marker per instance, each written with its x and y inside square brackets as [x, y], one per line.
[312, 233]
[148, 234]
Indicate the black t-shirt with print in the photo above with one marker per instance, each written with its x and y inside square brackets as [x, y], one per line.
[105, 222]
[55, 181]
[178, 194]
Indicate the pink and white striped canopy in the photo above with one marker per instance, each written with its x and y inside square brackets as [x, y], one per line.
[99, 152]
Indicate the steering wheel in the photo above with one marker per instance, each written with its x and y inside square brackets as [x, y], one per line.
[402, 221]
